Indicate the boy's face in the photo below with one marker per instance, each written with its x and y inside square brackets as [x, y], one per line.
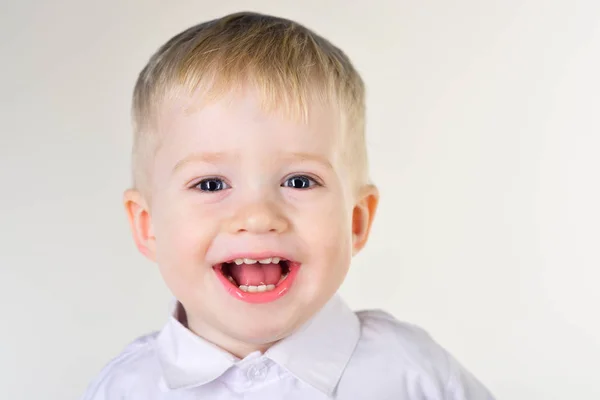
[231, 181]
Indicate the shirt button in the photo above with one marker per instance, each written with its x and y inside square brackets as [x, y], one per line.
[257, 372]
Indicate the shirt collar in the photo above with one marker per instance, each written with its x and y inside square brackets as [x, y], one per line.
[188, 360]
[316, 354]
[320, 350]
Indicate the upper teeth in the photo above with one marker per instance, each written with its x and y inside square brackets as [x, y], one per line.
[272, 260]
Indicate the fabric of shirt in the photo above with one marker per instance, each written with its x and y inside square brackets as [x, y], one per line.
[338, 354]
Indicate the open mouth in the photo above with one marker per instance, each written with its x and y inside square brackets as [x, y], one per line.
[257, 280]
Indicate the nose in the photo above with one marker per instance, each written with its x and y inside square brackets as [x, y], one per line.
[259, 217]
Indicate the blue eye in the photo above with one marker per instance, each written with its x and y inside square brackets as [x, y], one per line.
[300, 182]
[212, 185]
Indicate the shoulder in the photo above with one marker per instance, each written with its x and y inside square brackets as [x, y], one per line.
[406, 342]
[409, 349]
[130, 370]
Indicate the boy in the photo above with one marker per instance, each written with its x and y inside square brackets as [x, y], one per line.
[251, 194]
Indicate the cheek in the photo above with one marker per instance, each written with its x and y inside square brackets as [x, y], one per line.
[328, 233]
[182, 239]
[331, 221]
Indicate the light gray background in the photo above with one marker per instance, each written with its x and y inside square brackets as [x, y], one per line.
[484, 135]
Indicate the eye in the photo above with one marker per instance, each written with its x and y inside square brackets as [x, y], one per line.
[300, 182]
[212, 185]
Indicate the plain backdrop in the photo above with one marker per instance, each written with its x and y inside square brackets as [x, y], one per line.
[484, 136]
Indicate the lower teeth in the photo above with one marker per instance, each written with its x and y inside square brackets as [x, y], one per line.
[260, 288]
[255, 289]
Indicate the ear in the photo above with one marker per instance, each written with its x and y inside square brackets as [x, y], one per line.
[363, 215]
[140, 222]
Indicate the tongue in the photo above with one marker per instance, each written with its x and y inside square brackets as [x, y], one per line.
[256, 274]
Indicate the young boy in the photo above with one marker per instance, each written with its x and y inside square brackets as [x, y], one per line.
[251, 194]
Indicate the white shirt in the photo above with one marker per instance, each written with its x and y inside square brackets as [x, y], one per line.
[338, 354]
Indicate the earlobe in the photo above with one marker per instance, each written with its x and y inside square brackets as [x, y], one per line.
[363, 215]
[140, 222]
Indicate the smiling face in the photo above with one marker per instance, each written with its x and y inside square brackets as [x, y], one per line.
[253, 220]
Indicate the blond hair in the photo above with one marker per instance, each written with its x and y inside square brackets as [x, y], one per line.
[289, 64]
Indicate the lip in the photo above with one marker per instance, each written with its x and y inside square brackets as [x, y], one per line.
[280, 290]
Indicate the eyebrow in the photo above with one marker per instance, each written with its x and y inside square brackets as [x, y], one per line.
[211, 158]
[310, 157]
[216, 157]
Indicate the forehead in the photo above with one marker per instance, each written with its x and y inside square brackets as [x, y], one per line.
[239, 123]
